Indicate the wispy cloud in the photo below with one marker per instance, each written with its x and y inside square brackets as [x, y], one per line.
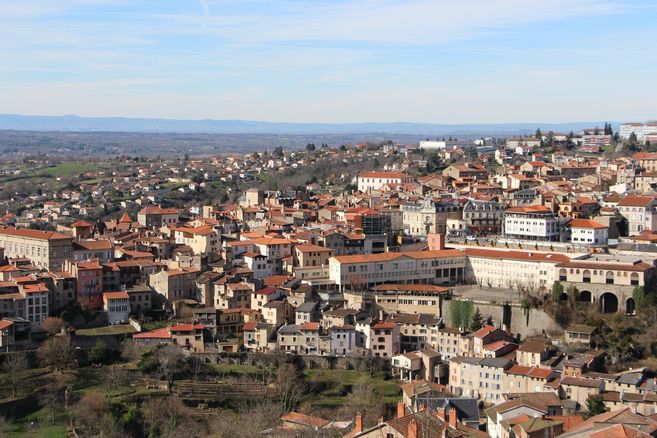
[325, 59]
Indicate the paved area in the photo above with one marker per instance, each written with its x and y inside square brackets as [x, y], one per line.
[485, 294]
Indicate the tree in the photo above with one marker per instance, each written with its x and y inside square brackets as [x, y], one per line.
[290, 386]
[52, 325]
[557, 290]
[52, 398]
[169, 361]
[129, 350]
[115, 378]
[163, 416]
[477, 321]
[633, 140]
[14, 364]
[89, 410]
[278, 152]
[434, 163]
[99, 353]
[639, 296]
[310, 147]
[365, 400]
[57, 352]
[595, 405]
[538, 134]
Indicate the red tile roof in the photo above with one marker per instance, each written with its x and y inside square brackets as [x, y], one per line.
[384, 325]
[121, 295]
[305, 420]
[636, 201]
[311, 326]
[586, 223]
[183, 327]
[484, 331]
[33, 234]
[161, 333]
[379, 174]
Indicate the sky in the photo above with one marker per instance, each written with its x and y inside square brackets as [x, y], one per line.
[435, 61]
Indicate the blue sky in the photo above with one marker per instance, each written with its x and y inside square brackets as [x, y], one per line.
[332, 61]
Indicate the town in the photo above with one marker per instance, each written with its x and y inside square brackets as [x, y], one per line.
[482, 287]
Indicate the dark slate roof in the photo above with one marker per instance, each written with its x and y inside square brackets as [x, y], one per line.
[309, 306]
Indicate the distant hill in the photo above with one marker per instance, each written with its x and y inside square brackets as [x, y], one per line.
[125, 124]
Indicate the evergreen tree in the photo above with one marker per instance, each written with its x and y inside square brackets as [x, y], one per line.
[477, 321]
[595, 405]
[538, 134]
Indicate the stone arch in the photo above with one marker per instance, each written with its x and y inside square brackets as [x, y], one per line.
[584, 296]
[630, 307]
[563, 296]
[608, 303]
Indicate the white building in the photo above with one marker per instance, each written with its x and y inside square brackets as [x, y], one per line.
[433, 144]
[36, 303]
[375, 180]
[202, 240]
[643, 131]
[534, 222]
[117, 306]
[423, 267]
[342, 340]
[588, 231]
[504, 268]
[640, 212]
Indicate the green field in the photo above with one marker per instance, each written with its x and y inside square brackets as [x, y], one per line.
[109, 330]
[67, 169]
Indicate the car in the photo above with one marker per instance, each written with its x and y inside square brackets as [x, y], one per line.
[470, 238]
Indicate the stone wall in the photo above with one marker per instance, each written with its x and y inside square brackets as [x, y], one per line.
[514, 317]
[305, 361]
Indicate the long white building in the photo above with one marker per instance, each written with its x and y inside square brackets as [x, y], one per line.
[504, 268]
[419, 267]
[643, 131]
[375, 180]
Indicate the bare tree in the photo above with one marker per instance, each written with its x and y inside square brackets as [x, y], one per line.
[164, 416]
[89, 410]
[358, 282]
[259, 417]
[114, 378]
[197, 367]
[110, 428]
[169, 361]
[510, 283]
[130, 351]
[57, 352]
[290, 387]
[52, 325]
[52, 398]
[363, 399]
[14, 365]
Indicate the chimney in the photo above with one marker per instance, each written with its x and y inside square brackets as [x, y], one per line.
[401, 410]
[412, 429]
[452, 418]
[436, 241]
[359, 423]
[441, 414]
